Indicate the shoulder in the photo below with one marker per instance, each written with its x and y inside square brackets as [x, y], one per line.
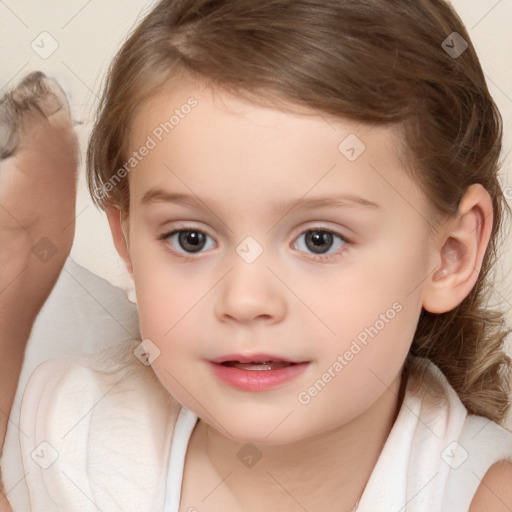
[112, 375]
[111, 388]
[481, 458]
[104, 413]
[494, 493]
[118, 362]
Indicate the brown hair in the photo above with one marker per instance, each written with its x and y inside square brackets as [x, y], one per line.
[375, 61]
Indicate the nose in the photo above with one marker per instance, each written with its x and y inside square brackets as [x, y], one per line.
[250, 293]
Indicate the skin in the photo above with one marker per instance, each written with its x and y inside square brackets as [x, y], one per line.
[37, 200]
[45, 153]
[241, 160]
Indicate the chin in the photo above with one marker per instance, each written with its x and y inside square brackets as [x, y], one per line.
[262, 431]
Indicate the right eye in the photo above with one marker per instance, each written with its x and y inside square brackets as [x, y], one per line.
[188, 241]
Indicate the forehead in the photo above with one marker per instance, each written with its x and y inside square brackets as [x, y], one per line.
[170, 108]
[210, 143]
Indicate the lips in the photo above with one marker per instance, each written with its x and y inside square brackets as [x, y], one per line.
[256, 372]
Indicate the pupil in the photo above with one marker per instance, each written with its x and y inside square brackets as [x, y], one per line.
[319, 241]
[192, 241]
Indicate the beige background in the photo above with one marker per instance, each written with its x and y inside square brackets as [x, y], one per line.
[86, 34]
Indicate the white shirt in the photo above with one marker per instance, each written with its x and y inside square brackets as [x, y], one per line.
[119, 441]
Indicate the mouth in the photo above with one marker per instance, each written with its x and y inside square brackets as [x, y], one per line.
[257, 366]
[256, 372]
[254, 361]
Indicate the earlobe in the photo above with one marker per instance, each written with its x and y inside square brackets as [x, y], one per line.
[119, 229]
[463, 242]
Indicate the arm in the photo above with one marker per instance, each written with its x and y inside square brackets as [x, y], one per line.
[38, 162]
[495, 491]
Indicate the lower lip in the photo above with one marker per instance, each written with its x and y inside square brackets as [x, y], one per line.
[257, 380]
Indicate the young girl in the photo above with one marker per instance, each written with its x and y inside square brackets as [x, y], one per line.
[306, 195]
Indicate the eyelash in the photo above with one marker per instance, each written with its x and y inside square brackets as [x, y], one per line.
[164, 237]
[323, 258]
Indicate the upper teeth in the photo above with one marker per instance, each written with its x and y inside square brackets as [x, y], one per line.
[259, 366]
[264, 365]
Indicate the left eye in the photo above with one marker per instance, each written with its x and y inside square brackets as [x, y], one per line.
[319, 241]
[190, 241]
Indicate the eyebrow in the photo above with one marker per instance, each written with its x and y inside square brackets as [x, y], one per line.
[158, 195]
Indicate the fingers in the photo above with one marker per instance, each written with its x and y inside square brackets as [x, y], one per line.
[37, 98]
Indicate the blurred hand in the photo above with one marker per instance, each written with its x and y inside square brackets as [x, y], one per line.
[38, 174]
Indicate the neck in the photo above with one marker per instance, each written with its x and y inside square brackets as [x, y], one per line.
[313, 474]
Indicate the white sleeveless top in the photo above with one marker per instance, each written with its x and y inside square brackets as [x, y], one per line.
[96, 432]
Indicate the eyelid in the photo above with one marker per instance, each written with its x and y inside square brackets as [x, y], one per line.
[184, 226]
[323, 257]
[184, 255]
[323, 226]
[323, 230]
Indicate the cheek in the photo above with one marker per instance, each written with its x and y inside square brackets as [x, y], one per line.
[373, 309]
[163, 295]
[375, 281]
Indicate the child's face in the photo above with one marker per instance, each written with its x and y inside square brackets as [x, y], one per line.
[346, 306]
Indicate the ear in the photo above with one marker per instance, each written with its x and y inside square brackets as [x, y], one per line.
[463, 243]
[118, 222]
